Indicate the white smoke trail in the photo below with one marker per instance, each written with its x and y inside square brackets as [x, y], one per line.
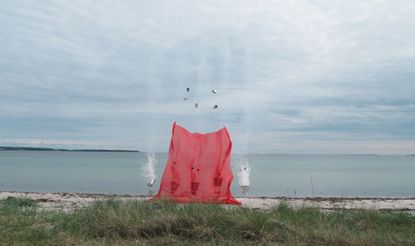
[149, 172]
[244, 175]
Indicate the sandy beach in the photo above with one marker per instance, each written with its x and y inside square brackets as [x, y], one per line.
[64, 201]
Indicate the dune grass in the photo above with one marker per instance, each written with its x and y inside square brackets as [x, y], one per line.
[114, 222]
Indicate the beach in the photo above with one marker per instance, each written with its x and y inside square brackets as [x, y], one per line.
[67, 202]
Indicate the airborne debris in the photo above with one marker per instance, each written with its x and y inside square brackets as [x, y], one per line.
[151, 181]
[191, 99]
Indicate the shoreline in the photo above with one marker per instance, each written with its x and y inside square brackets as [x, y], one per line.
[69, 201]
[27, 148]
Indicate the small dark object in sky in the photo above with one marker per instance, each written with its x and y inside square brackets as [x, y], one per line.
[214, 91]
[185, 98]
[215, 107]
[187, 89]
[196, 105]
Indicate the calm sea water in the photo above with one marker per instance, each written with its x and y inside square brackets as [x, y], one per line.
[272, 175]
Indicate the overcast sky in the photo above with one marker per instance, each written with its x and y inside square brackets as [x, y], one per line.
[291, 76]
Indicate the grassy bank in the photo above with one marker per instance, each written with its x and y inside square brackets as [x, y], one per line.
[114, 222]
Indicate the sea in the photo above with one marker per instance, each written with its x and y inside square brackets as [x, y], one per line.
[271, 175]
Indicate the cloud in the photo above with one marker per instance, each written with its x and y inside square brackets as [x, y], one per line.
[116, 72]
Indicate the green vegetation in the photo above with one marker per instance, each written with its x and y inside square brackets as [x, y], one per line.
[12, 203]
[114, 222]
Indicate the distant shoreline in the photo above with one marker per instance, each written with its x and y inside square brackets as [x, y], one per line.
[21, 148]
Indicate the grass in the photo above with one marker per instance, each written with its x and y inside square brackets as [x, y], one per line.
[114, 222]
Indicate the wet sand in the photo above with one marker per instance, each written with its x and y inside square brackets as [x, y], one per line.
[64, 201]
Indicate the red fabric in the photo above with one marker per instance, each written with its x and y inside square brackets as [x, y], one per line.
[198, 168]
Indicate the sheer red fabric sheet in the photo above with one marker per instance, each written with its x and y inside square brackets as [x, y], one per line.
[198, 168]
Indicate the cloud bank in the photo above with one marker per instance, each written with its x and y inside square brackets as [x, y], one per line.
[292, 76]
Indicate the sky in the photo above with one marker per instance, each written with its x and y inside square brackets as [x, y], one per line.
[312, 77]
